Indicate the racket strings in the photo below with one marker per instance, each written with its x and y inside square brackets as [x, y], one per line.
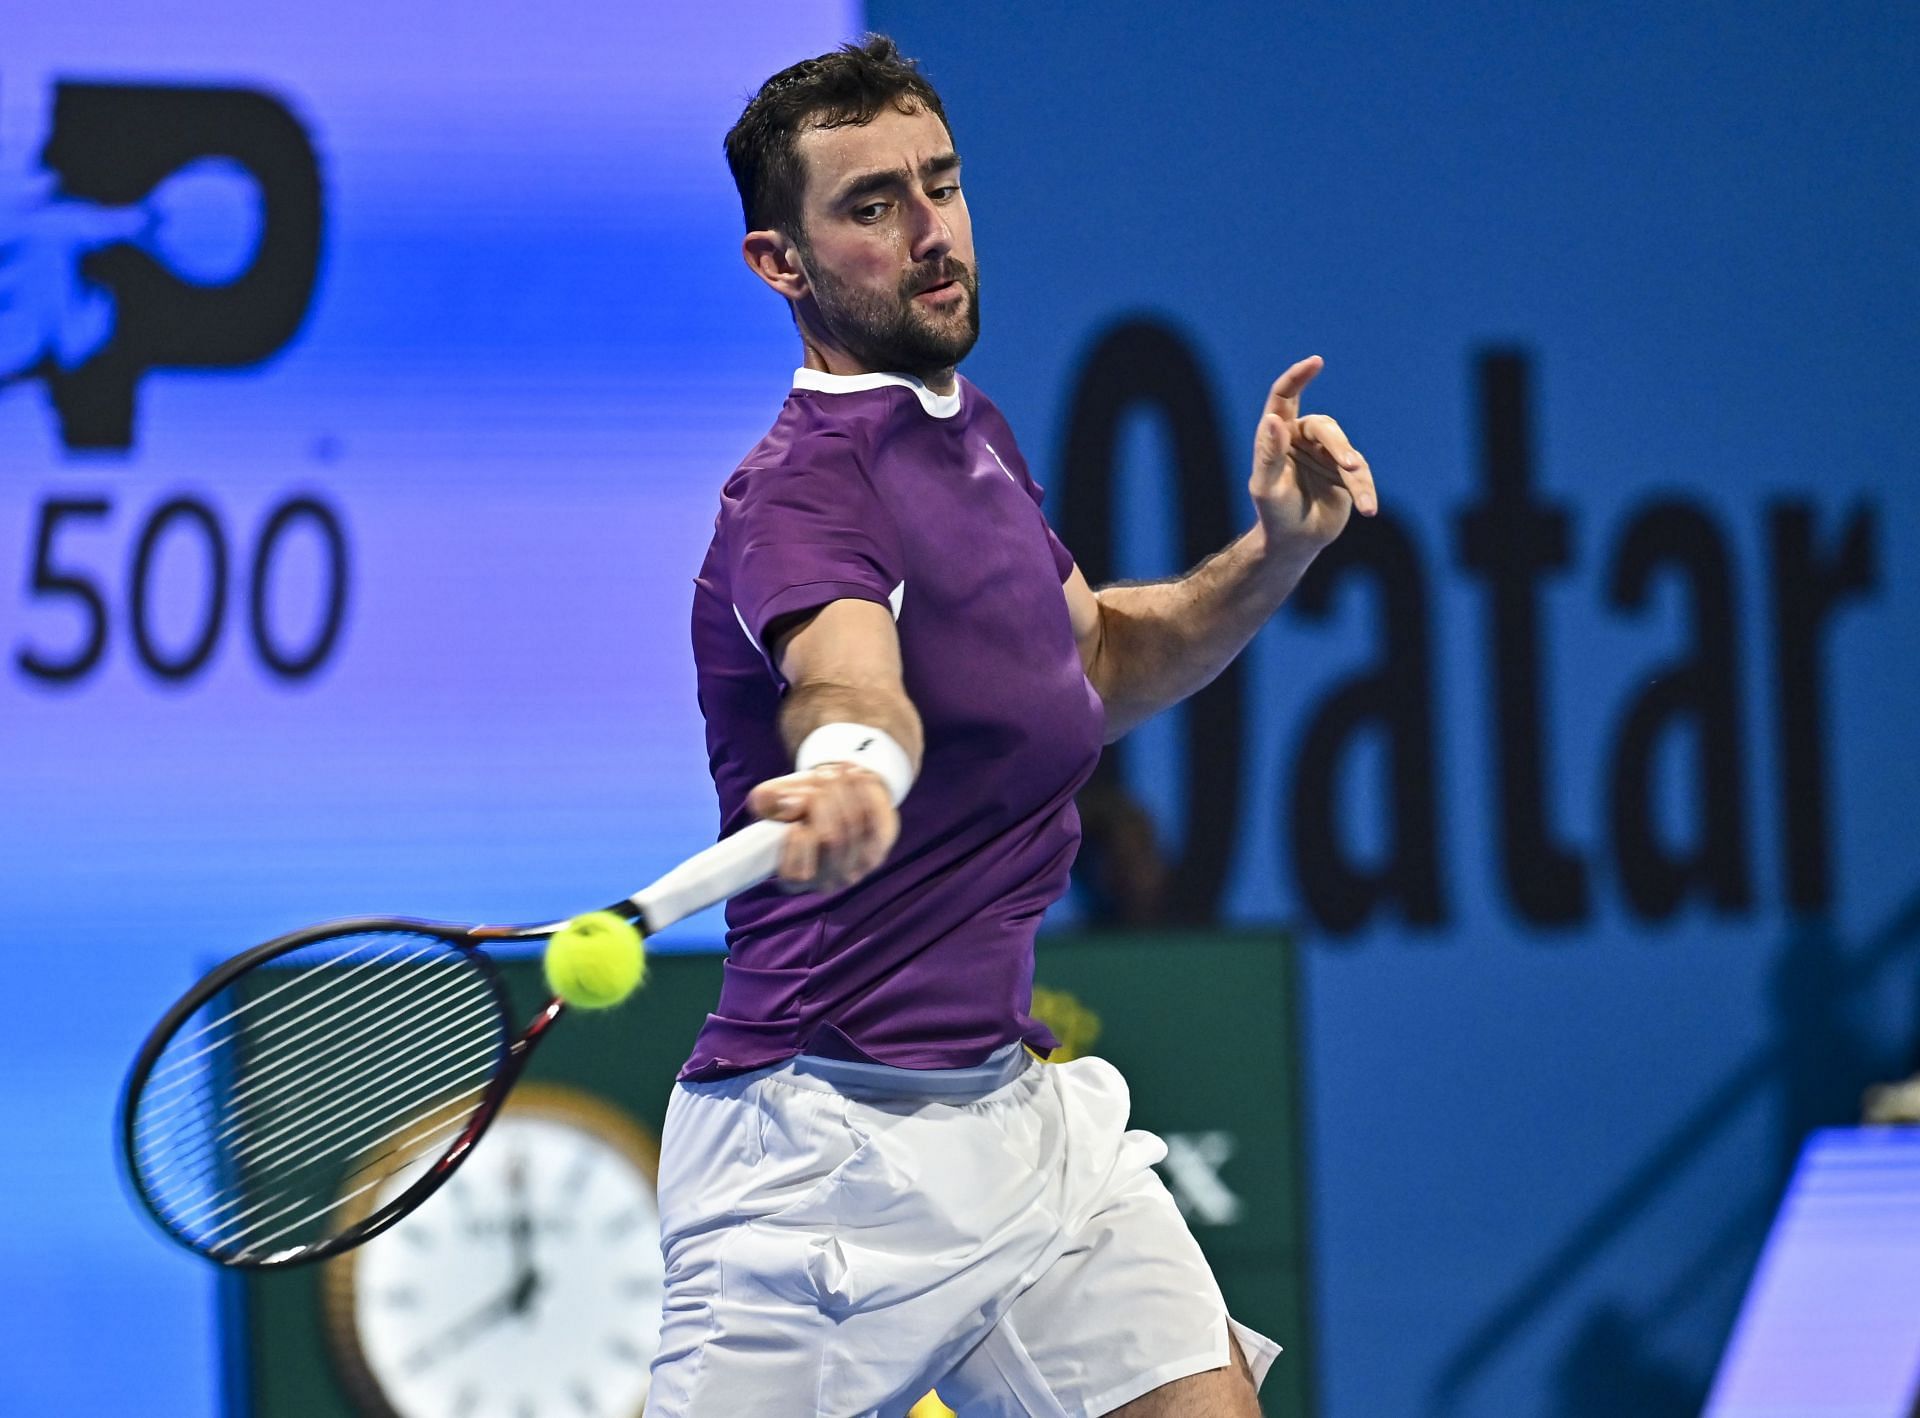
[342, 985]
[224, 1229]
[328, 1063]
[280, 1103]
[217, 1218]
[306, 1135]
[376, 1168]
[285, 1131]
[299, 1120]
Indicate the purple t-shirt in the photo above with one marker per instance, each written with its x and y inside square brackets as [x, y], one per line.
[874, 488]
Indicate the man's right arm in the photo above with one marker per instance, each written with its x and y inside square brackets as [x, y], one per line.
[842, 666]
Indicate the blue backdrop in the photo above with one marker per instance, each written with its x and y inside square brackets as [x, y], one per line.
[1648, 613]
[1584, 778]
[369, 595]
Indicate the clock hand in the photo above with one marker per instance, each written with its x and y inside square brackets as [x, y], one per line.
[524, 1289]
[463, 1331]
[520, 1234]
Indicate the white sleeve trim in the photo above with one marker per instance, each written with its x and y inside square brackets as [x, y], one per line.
[895, 598]
[747, 631]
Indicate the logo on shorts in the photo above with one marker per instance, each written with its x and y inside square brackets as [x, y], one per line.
[167, 228]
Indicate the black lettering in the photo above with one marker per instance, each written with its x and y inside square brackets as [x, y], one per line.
[299, 663]
[51, 580]
[114, 144]
[1514, 541]
[1145, 364]
[1701, 692]
[1810, 583]
[200, 648]
[1393, 699]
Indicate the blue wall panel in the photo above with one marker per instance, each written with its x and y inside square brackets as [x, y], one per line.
[523, 354]
[1543, 1154]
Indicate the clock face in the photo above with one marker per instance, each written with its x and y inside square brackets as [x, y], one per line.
[528, 1285]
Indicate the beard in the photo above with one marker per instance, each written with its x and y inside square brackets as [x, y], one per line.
[891, 332]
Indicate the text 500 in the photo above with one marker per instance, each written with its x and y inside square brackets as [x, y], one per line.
[65, 571]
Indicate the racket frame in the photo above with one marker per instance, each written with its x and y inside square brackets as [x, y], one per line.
[736, 862]
[512, 1058]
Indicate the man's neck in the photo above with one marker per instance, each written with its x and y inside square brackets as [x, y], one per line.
[830, 359]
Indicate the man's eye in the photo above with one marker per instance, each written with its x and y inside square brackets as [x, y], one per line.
[872, 212]
[947, 193]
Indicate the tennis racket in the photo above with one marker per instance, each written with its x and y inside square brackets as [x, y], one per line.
[310, 1071]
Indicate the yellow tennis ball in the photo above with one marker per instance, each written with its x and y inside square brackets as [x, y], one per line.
[596, 960]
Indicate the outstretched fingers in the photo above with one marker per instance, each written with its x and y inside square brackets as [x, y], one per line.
[1284, 397]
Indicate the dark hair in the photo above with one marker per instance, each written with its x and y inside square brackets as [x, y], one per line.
[849, 85]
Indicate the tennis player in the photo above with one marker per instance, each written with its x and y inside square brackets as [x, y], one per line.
[869, 1184]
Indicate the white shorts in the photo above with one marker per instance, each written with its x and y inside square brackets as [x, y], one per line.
[835, 1247]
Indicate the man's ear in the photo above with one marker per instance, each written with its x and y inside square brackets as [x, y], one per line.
[775, 260]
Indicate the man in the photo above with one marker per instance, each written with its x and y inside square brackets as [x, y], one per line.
[869, 1184]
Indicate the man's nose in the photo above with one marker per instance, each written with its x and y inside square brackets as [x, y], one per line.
[932, 237]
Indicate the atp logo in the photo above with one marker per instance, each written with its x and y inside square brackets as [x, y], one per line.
[169, 228]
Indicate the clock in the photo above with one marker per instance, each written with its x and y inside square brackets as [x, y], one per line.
[528, 1285]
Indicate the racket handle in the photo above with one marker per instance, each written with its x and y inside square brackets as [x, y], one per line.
[725, 869]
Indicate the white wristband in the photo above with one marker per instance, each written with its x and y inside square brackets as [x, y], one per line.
[863, 746]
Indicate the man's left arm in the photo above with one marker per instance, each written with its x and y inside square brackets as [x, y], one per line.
[1149, 646]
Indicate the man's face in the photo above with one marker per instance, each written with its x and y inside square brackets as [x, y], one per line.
[887, 243]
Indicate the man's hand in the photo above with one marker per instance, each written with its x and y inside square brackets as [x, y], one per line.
[1307, 476]
[844, 824]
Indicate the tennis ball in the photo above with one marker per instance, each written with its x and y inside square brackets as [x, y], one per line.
[595, 961]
